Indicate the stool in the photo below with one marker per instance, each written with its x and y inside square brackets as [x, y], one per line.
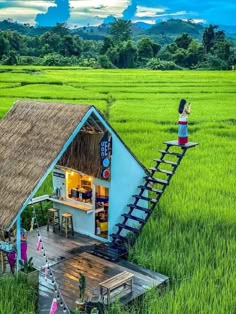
[53, 218]
[67, 223]
[4, 261]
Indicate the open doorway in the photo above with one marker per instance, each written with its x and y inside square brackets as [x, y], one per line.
[101, 211]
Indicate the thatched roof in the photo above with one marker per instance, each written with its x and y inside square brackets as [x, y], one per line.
[32, 135]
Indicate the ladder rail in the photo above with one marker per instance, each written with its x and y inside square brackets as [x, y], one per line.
[149, 182]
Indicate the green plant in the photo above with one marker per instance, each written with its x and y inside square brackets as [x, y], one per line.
[82, 287]
[17, 295]
[27, 267]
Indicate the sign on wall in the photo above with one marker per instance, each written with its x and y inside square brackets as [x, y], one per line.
[105, 155]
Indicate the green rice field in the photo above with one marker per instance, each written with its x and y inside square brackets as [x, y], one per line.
[191, 235]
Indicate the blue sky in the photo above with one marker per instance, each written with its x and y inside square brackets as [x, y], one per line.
[82, 12]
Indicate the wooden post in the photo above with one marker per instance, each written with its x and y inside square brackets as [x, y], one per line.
[18, 242]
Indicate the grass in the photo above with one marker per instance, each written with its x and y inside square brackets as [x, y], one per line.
[191, 235]
[17, 296]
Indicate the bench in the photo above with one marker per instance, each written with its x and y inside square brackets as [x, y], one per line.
[115, 282]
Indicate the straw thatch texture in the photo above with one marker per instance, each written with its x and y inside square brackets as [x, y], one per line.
[31, 136]
[84, 154]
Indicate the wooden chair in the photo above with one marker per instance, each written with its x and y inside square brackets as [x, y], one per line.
[53, 219]
[67, 223]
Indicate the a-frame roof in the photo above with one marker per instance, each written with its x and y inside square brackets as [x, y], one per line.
[33, 136]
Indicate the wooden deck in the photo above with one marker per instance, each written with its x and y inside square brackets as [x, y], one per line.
[69, 257]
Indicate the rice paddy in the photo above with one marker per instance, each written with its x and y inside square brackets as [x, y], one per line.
[191, 235]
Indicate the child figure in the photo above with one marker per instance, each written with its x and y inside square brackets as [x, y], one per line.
[184, 111]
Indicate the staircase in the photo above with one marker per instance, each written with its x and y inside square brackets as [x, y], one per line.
[132, 222]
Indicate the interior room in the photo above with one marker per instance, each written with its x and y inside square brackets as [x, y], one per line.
[81, 177]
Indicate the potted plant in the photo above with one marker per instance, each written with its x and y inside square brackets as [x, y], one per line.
[29, 271]
[94, 311]
[80, 302]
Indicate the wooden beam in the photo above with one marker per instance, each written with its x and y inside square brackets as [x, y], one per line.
[96, 124]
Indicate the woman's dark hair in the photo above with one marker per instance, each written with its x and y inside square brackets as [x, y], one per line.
[181, 105]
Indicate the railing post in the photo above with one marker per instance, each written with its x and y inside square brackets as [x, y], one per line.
[18, 242]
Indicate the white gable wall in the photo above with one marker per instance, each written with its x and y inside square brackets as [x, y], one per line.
[126, 175]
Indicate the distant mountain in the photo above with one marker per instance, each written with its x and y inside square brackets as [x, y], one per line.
[143, 25]
[24, 29]
[163, 32]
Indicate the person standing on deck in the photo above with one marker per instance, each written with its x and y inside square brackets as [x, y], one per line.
[184, 111]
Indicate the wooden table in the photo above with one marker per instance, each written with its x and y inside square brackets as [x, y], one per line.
[115, 282]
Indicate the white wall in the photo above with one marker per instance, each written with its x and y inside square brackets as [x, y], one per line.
[82, 221]
[126, 175]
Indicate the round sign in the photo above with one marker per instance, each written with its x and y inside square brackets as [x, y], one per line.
[106, 173]
[106, 162]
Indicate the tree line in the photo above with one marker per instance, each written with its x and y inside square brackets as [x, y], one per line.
[60, 46]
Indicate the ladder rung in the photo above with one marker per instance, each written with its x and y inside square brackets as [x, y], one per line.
[146, 210]
[152, 200]
[153, 169]
[142, 221]
[149, 188]
[172, 163]
[154, 180]
[123, 226]
[166, 171]
[170, 153]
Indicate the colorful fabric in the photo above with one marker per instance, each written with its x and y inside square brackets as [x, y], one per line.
[24, 247]
[183, 130]
[53, 308]
[12, 256]
[12, 259]
[182, 140]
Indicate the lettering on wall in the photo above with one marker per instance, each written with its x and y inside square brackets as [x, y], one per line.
[105, 155]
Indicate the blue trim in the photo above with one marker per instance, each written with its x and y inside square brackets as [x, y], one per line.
[18, 243]
[53, 164]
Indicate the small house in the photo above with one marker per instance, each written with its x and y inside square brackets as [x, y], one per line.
[94, 173]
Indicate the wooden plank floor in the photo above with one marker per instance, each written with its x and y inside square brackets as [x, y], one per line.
[70, 257]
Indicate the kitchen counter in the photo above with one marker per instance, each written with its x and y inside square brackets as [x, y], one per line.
[77, 205]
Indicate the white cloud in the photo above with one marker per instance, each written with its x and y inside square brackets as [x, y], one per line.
[95, 10]
[198, 21]
[148, 12]
[24, 11]
[38, 4]
[173, 14]
[28, 14]
[145, 21]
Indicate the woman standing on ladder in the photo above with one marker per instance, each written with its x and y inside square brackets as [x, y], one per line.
[184, 111]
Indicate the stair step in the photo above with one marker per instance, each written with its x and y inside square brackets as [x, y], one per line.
[142, 221]
[153, 169]
[132, 229]
[166, 171]
[151, 200]
[172, 163]
[149, 188]
[154, 180]
[117, 236]
[146, 210]
[170, 153]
